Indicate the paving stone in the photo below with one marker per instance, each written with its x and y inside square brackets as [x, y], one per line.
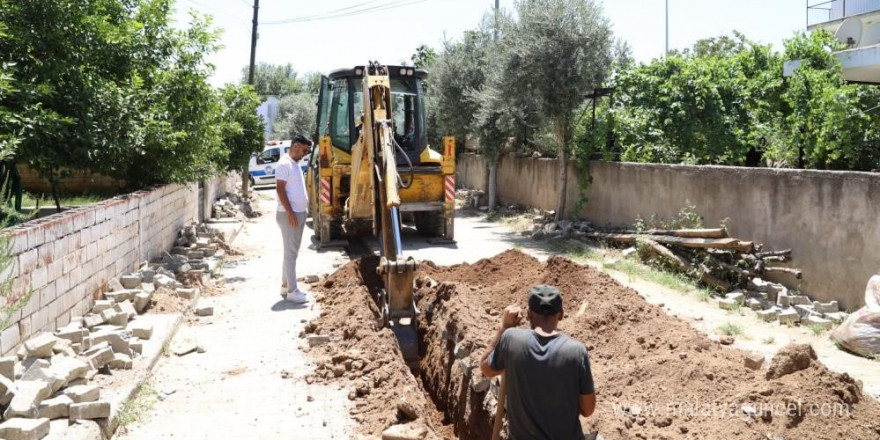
[83, 393]
[186, 293]
[72, 334]
[803, 310]
[120, 362]
[118, 339]
[783, 301]
[122, 295]
[754, 361]
[114, 285]
[801, 300]
[63, 347]
[147, 276]
[7, 367]
[69, 368]
[817, 321]
[101, 358]
[136, 345]
[24, 429]
[409, 431]
[184, 347]
[141, 329]
[788, 316]
[40, 346]
[28, 395]
[54, 379]
[101, 305]
[829, 307]
[205, 311]
[141, 301]
[728, 304]
[90, 410]
[127, 308]
[90, 321]
[55, 408]
[130, 281]
[108, 315]
[96, 347]
[836, 318]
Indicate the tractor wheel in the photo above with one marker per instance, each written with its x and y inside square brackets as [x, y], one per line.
[430, 223]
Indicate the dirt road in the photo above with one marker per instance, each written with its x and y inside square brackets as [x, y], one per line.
[250, 380]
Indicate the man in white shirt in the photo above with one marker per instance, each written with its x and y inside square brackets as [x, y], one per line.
[293, 202]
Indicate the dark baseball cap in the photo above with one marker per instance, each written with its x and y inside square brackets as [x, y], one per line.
[545, 300]
[300, 139]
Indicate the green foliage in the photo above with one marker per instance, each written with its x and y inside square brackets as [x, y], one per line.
[731, 329]
[278, 80]
[817, 329]
[241, 129]
[424, 57]
[296, 114]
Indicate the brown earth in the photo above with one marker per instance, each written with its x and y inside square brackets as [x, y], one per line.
[656, 377]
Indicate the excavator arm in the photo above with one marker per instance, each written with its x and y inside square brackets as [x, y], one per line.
[375, 185]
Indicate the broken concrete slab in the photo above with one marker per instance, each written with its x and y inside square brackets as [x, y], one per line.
[755, 304]
[127, 308]
[120, 362]
[73, 333]
[55, 408]
[836, 318]
[114, 285]
[783, 301]
[140, 329]
[90, 410]
[147, 276]
[83, 393]
[69, 368]
[801, 300]
[186, 293]
[130, 281]
[805, 310]
[100, 358]
[7, 390]
[90, 321]
[24, 429]
[728, 304]
[7, 367]
[137, 346]
[205, 310]
[54, 379]
[162, 280]
[829, 307]
[101, 305]
[184, 347]
[122, 295]
[118, 339]
[814, 320]
[141, 301]
[28, 396]
[40, 346]
[788, 317]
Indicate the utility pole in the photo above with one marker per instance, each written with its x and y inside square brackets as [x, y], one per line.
[245, 175]
[254, 43]
[497, 6]
[665, 54]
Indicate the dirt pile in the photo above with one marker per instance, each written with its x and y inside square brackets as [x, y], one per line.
[655, 376]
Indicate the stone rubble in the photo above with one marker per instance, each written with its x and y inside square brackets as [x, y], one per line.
[49, 377]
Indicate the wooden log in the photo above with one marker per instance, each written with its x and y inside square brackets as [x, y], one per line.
[782, 253]
[697, 243]
[796, 272]
[744, 273]
[775, 258]
[684, 233]
[686, 266]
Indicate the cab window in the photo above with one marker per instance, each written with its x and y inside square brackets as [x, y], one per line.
[340, 111]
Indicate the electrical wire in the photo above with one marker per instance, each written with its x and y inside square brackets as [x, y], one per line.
[347, 12]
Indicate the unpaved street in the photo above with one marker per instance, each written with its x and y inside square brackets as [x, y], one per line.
[250, 380]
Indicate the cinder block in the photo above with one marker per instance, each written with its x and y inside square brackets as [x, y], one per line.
[814, 320]
[27, 399]
[7, 367]
[24, 429]
[40, 346]
[788, 316]
[120, 362]
[83, 393]
[829, 307]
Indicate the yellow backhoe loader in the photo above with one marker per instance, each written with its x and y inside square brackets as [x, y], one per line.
[373, 168]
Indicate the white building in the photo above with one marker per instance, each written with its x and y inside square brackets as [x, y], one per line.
[855, 23]
[269, 110]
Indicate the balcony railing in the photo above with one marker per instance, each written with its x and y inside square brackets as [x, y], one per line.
[823, 11]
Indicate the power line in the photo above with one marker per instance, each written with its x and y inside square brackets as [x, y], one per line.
[348, 12]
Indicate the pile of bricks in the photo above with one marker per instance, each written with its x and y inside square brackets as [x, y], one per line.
[774, 302]
[228, 207]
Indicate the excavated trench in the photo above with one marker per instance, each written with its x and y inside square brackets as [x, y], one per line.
[639, 356]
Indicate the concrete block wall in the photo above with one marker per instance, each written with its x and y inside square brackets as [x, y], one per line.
[67, 259]
[830, 219]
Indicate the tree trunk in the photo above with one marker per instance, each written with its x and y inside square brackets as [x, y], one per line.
[245, 182]
[54, 186]
[493, 183]
[563, 170]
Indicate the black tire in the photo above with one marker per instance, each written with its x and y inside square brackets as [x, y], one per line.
[430, 223]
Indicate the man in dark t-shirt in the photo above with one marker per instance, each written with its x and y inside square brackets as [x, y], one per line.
[549, 382]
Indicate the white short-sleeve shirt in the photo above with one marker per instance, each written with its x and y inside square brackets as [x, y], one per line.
[290, 172]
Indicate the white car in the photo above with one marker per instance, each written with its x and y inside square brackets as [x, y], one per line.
[261, 167]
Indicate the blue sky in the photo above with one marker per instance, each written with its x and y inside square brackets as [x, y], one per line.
[391, 35]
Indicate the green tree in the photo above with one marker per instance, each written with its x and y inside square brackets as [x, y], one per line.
[241, 129]
[424, 56]
[559, 50]
[274, 80]
[297, 114]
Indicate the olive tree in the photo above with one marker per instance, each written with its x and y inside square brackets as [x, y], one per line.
[558, 50]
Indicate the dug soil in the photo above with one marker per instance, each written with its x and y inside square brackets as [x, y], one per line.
[655, 376]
